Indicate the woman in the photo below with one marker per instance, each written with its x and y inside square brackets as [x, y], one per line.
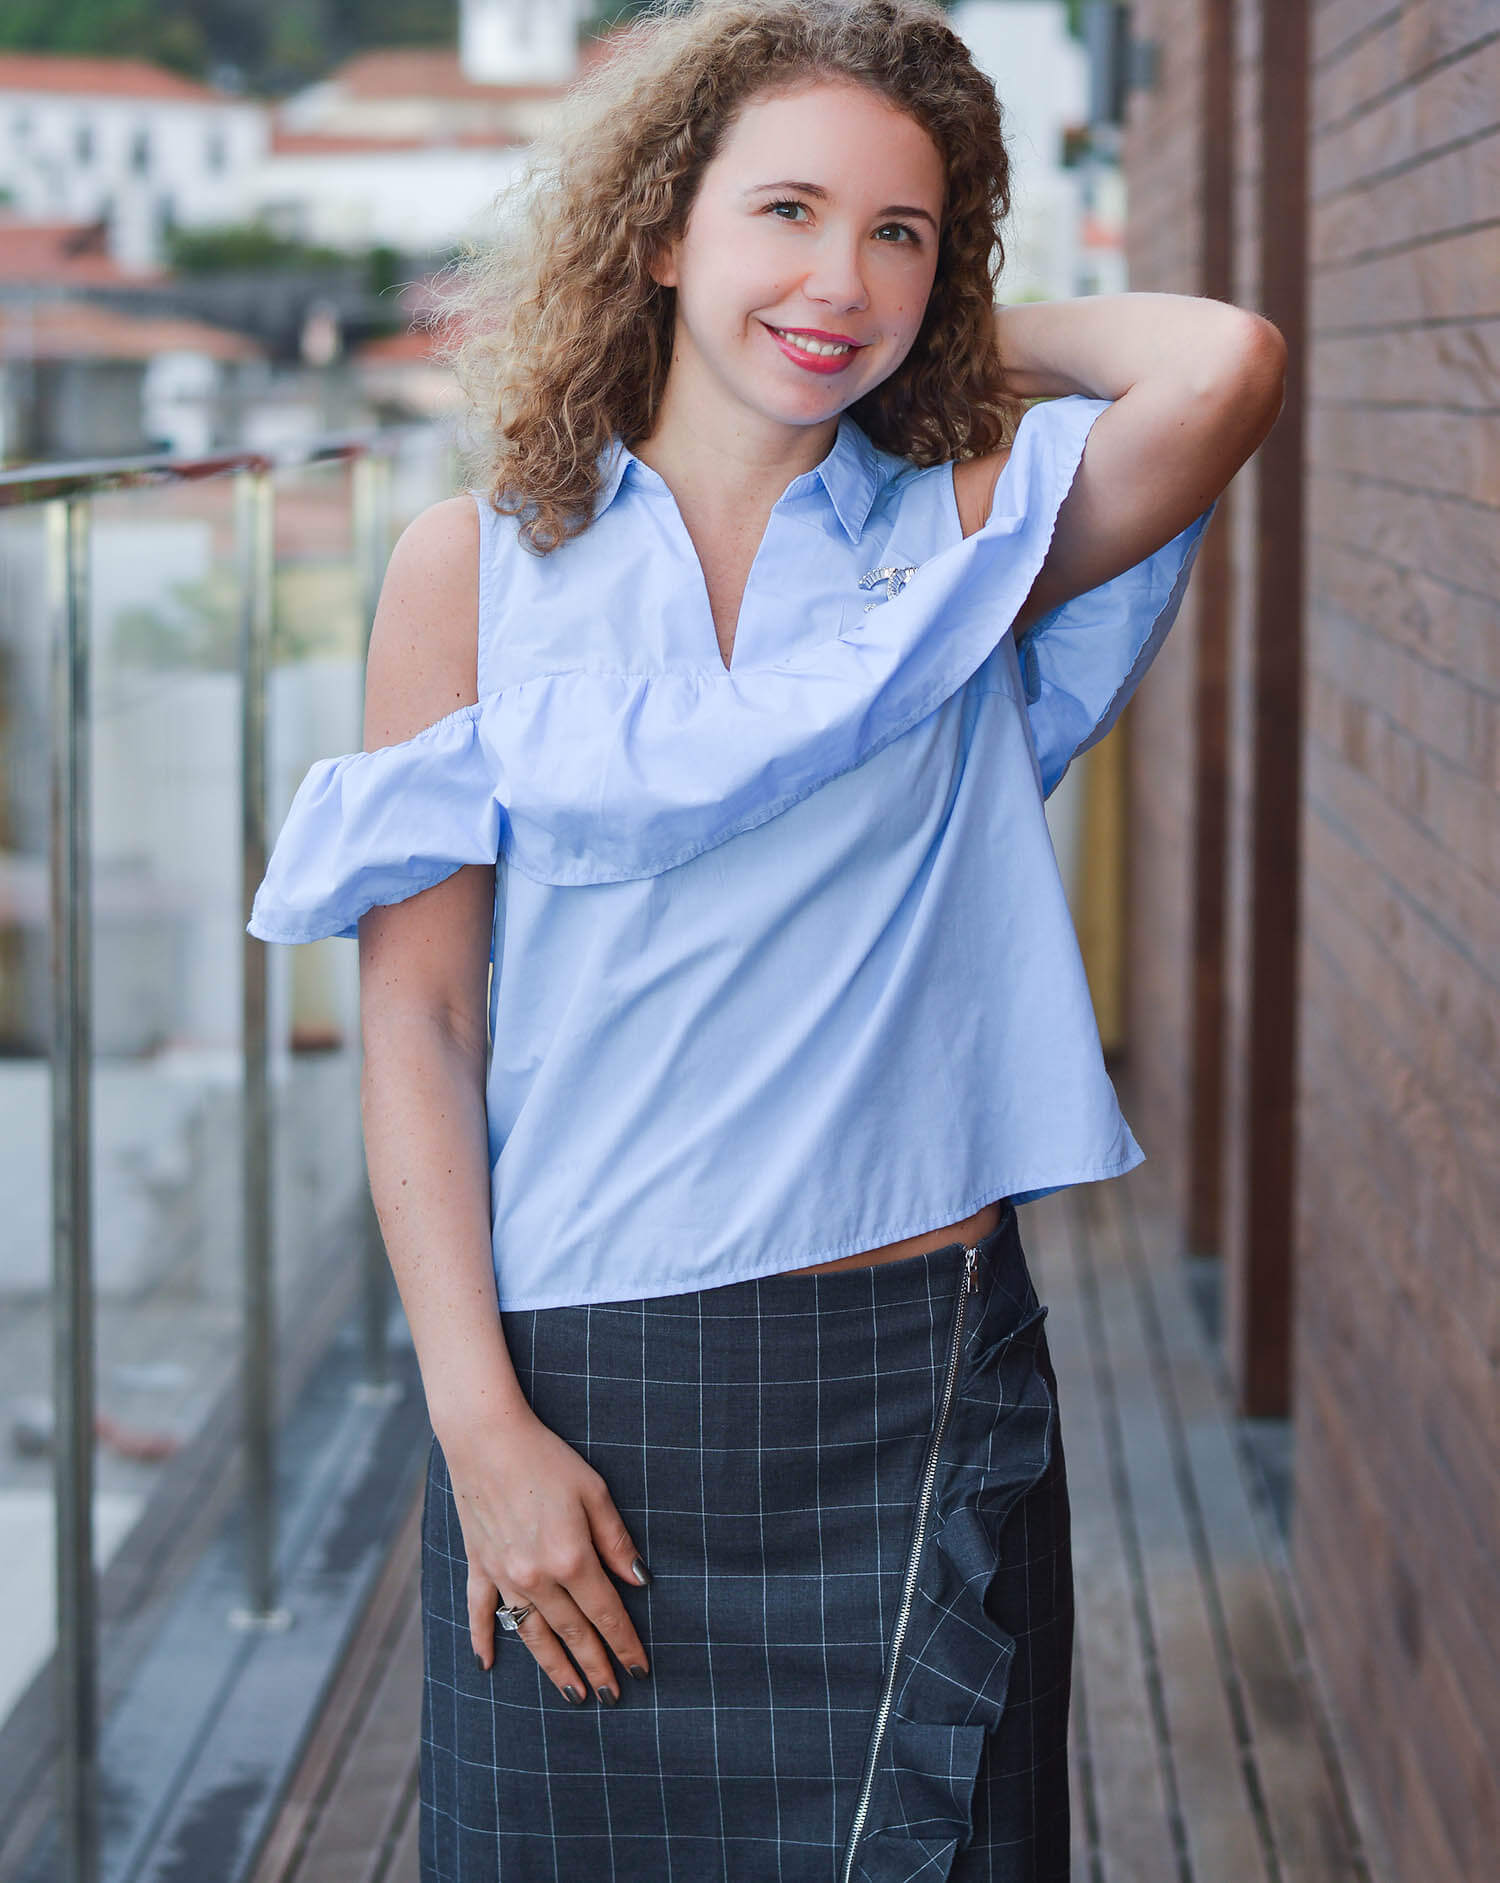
[720, 722]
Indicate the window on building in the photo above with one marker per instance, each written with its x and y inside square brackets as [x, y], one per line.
[20, 126]
[140, 152]
[83, 143]
[215, 153]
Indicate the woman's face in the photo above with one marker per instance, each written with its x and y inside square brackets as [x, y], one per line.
[809, 253]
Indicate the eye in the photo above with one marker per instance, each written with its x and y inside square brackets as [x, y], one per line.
[785, 202]
[903, 232]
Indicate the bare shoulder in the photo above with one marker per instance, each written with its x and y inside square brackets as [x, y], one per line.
[974, 481]
[424, 641]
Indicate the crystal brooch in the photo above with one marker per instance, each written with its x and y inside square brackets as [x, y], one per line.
[895, 578]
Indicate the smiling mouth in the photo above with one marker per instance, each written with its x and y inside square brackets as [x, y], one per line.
[806, 343]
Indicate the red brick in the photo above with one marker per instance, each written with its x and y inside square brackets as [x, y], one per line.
[1447, 628]
[1411, 528]
[1455, 279]
[1447, 454]
[1433, 366]
[1451, 192]
[1454, 899]
[1452, 102]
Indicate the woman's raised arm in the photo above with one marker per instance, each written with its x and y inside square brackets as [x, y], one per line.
[1196, 386]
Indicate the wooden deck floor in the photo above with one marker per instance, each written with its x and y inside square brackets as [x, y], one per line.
[1201, 1752]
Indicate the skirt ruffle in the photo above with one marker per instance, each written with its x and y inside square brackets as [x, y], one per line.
[957, 1659]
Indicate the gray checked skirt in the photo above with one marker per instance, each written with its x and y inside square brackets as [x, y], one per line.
[850, 1491]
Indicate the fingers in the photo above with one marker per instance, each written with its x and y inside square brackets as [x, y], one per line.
[611, 1539]
[560, 1626]
[601, 1625]
[484, 1599]
[576, 1607]
[576, 1611]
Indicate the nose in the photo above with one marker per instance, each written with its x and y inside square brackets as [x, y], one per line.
[836, 278]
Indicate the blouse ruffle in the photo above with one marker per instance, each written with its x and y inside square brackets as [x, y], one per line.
[590, 775]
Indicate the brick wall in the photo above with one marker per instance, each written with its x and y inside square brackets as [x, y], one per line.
[1397, 1379]
[1395, 1374]
[1165, 218]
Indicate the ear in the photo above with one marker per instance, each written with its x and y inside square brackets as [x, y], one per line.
[661, 265]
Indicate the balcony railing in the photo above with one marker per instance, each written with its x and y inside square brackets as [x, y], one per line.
[227, 603]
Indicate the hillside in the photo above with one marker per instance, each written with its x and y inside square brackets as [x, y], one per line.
[266, 46]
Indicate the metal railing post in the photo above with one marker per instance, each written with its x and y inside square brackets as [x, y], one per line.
[372, 548]
[255, 542]
[72, 1201]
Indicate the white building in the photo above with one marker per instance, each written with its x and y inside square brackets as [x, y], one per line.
[410, 145]
[514, 42]
[1040, 74]
[83, 139]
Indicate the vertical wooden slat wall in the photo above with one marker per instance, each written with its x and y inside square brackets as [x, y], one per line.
[1259, 1135]
[1344, 926]
[1217, 225]
[1166, 987]
[1397, 1237]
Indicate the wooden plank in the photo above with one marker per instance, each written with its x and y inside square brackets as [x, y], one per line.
[405, 1863]
[319, 1773]
[1224, 1842]
[1125, 1782]
[1309, 1825]
[370, 1798]
[1043, 1229]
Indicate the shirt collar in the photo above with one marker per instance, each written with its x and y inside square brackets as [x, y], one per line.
[850, 477]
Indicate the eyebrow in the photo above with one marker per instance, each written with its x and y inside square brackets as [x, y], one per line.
[817, 190]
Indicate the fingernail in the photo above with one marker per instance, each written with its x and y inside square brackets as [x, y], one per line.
[608, 1695]
[638, 1673]
[479, 1660]
[574, 1695]
[639, 1570]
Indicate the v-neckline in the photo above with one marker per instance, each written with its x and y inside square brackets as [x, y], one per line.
[726, 667]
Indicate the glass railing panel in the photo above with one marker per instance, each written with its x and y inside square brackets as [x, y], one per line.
[167, 969]
[26, 1492]
[164, 621]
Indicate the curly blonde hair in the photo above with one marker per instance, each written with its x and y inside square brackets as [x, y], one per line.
[559, 335]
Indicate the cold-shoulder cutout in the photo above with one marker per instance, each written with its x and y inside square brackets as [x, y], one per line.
[423, 660]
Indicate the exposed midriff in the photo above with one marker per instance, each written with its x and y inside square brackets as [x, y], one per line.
[971, 1230]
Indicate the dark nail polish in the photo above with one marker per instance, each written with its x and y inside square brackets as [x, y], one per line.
[637, 1672]
[479, 1660]
[608, 1695]
[639, 1570]
[574, 1695]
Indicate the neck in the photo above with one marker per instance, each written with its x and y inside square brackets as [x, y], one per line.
[733, 458]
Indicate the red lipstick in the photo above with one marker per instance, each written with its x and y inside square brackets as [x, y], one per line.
[815, 362]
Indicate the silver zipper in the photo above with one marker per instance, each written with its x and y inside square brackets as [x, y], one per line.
[909, 1590]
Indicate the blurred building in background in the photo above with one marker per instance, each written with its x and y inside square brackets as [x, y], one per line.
[124, 143]
[1067, 208]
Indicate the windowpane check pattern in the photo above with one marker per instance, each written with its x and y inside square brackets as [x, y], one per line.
[766, 1443]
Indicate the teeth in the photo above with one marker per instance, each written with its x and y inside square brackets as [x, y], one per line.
[805, 345]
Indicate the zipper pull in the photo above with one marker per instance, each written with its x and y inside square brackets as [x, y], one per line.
[971, 1262]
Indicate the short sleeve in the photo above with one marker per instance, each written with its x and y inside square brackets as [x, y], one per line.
[1081, 663]
[377, 827]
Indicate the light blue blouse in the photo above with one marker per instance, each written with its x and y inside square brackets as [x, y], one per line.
[783, 964]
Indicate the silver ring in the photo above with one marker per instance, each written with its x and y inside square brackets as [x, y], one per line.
[511, 1618]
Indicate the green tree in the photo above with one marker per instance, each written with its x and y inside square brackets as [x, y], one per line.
[274, 44]
[167, 31]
